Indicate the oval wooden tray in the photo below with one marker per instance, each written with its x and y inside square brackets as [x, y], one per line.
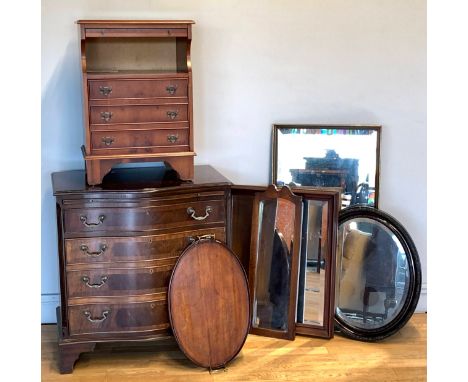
[208, 302]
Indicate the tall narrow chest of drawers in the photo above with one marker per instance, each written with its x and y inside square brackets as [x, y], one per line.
[137, 94]
[117, 249]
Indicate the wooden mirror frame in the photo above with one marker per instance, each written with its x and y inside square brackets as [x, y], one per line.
[274, 153]
[273, 192]
[332, 196]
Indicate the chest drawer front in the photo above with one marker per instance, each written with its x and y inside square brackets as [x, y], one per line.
[103, 250]
[141, 138]
[138, 88]
[143, 219]
[118, 317]
[110, 282]
[138, 113]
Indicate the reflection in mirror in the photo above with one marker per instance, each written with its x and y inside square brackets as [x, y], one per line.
[374, 274]
[311, 292]
[274, 262]
[329, 156]
[378, 276]
[273, 268]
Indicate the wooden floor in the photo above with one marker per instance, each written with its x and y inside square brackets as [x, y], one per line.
[401, 357]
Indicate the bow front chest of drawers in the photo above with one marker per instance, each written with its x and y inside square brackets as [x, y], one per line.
[137, 94]
[117, 249]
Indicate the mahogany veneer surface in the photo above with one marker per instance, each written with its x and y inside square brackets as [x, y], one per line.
[118, 244]
[137, 84]
[209, 304]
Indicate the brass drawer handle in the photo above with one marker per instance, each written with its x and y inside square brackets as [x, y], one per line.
[85, 279]
[106, 115]
[202, 237]
[191, 212]
[172, 138]
[107, 140]
[84, 220]
[105, 90]
[172, 114]
[104, 316]
[171, 89]
[102, 249]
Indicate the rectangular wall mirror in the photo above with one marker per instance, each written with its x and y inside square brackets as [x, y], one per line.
[329, 156]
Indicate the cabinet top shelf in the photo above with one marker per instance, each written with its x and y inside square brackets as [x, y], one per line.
[135, 28]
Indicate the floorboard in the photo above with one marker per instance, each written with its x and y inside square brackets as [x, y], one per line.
[401, 357]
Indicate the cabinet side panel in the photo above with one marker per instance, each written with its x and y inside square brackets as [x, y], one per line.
[61, 259]
[85, 93]
[241, 227]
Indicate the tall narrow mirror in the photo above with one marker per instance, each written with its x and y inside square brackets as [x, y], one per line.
[274, 260]
[315, 296]
[329, 156]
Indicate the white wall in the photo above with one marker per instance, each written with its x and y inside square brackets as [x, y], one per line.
[256, 63]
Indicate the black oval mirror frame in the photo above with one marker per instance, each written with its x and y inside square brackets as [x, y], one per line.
[414, 288]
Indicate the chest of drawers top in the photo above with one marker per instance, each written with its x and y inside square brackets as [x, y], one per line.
[135, 184]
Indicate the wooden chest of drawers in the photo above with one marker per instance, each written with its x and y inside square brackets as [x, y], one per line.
[117, 249]
[137, 93]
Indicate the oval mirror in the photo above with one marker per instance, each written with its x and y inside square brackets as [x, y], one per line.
[378, 279]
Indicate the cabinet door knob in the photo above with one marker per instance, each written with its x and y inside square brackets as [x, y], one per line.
[104, 315]
[84, 248]
[106, 115]
[171, 89]
[191, 212]
[172, 114]
[107, 140]
[84, 220]
[105, 90]
[85, 279]
[172, 138]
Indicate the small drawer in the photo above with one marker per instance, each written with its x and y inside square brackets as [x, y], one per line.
[138, 113]
[104, 140]
[133, 249]
[136, 32]
[140, 126]
[144, 219]
[118, 317]
[137, 88]
[111, 282]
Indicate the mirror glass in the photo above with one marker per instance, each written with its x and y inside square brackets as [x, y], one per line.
[313, 263]
[329, 156]
[273, 267]
[373, 274]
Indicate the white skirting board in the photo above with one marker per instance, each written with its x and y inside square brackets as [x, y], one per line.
[422, 303]
[49, 303]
